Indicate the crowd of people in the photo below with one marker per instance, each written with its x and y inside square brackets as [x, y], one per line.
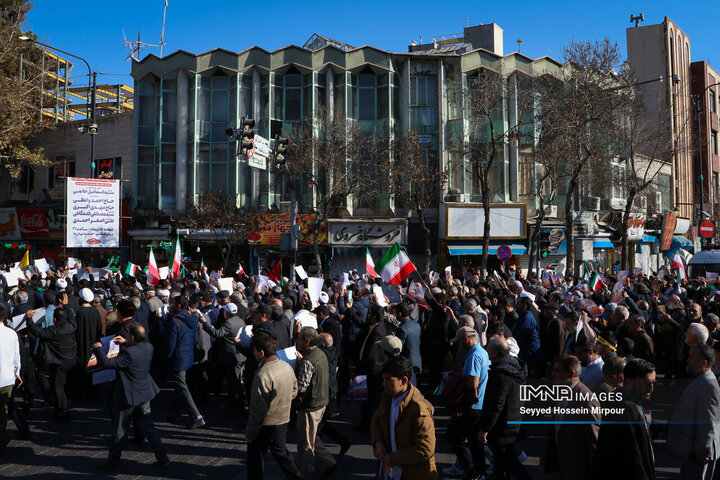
[467, 343]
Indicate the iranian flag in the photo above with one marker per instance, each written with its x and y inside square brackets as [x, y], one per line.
[370, 265]
[152, 270]
[177, 261]
[395, 265]
[596, 282]
[677, 263]
[240, 270]
[131, 269]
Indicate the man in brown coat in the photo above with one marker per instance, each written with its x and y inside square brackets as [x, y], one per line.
[408, 447]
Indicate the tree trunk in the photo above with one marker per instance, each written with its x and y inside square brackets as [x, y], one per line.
[569, 235]
[536, 239]
[624, 243]
[316, 249]
[486, 231]
[426, 235]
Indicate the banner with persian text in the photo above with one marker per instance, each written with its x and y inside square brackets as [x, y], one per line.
[93, 213]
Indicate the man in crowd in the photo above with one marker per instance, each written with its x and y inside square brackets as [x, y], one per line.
[271, 396]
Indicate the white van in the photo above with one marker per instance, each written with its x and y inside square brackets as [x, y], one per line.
[703, 262]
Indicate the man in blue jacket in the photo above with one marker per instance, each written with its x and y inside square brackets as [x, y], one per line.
[525, 331]
[182, 338]
[133, 392]
[409, 333]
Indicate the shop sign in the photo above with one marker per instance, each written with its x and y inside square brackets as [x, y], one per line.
[272, 226]
[367, 232]
[9, 224]
[33, 223]
[636, 227]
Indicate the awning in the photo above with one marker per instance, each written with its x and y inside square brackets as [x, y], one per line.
[477, 249]
[649, 239]
[684, 242]
[603, 243]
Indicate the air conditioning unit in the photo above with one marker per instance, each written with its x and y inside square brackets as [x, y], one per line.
[285, 208]
[593, 204]
[641, 203]
[454, 198]
[551, 211]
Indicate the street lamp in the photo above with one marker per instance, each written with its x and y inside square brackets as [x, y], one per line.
[92, 128]
[696, 101]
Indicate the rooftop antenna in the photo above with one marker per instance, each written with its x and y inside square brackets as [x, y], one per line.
[519, 42]
[135, 46]
[466, 20]
[637, 18]
[162, 32]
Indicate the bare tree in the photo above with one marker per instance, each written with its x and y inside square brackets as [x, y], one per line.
[488, 98]
[333, 160]
[576, 121]
[19, 91]
[645, 146]
[220, 217]
[415, 181]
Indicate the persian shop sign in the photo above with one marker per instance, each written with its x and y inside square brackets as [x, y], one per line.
[272, 226]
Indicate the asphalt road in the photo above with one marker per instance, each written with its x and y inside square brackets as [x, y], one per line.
[71, 450]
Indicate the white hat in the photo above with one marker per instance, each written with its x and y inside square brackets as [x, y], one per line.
[324, 297]
[163, 293]
[61, 283]
[231, 308]
[87, 295]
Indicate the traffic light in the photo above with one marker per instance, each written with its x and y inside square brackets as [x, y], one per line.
[247, 135]
[544, 243]
[281, 144]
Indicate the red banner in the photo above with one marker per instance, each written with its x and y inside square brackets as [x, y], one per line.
[33, 223]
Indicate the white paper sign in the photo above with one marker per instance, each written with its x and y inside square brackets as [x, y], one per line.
[163, 272]
[288, 355]
[314, 288]
[18, 321]
[42, 265]
[13, 276]
[71, 262]
[379, 295]
[711, 276]
[262, 281]
[245, 335]
[345, 279]
[226, 284]
[448, 272]
[300, 270]
[93, 213]
[306, 319]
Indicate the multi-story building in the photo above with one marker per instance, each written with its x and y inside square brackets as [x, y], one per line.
[185, 102]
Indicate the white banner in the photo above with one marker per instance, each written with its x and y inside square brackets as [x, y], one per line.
[93, 213]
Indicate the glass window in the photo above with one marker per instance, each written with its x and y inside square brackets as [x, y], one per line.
[293, 104]
[711, 101]
[220, 106]
[714, 142]
[366, 103]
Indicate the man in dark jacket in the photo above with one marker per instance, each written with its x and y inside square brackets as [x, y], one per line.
[502, 405]
[624, 449]
[525, 331]
[409, 333]
[60, 349]
[181, 347]
[134, 390]
[225, 354]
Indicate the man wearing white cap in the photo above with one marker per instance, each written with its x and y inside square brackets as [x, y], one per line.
[89, 326]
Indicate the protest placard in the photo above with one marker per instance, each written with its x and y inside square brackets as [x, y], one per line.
[225, 284]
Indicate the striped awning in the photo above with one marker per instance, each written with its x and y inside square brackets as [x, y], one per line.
[477, 249]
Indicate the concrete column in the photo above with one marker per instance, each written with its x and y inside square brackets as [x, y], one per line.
[256, 107]
[181, 144]
[330, 92]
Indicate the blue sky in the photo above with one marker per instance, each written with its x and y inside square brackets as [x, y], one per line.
[94, 30]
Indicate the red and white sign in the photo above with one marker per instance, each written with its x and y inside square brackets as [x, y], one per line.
[707, 228]
[33, 223]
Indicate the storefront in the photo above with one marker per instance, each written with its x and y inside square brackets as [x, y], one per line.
[464, 225]
[351, 238]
